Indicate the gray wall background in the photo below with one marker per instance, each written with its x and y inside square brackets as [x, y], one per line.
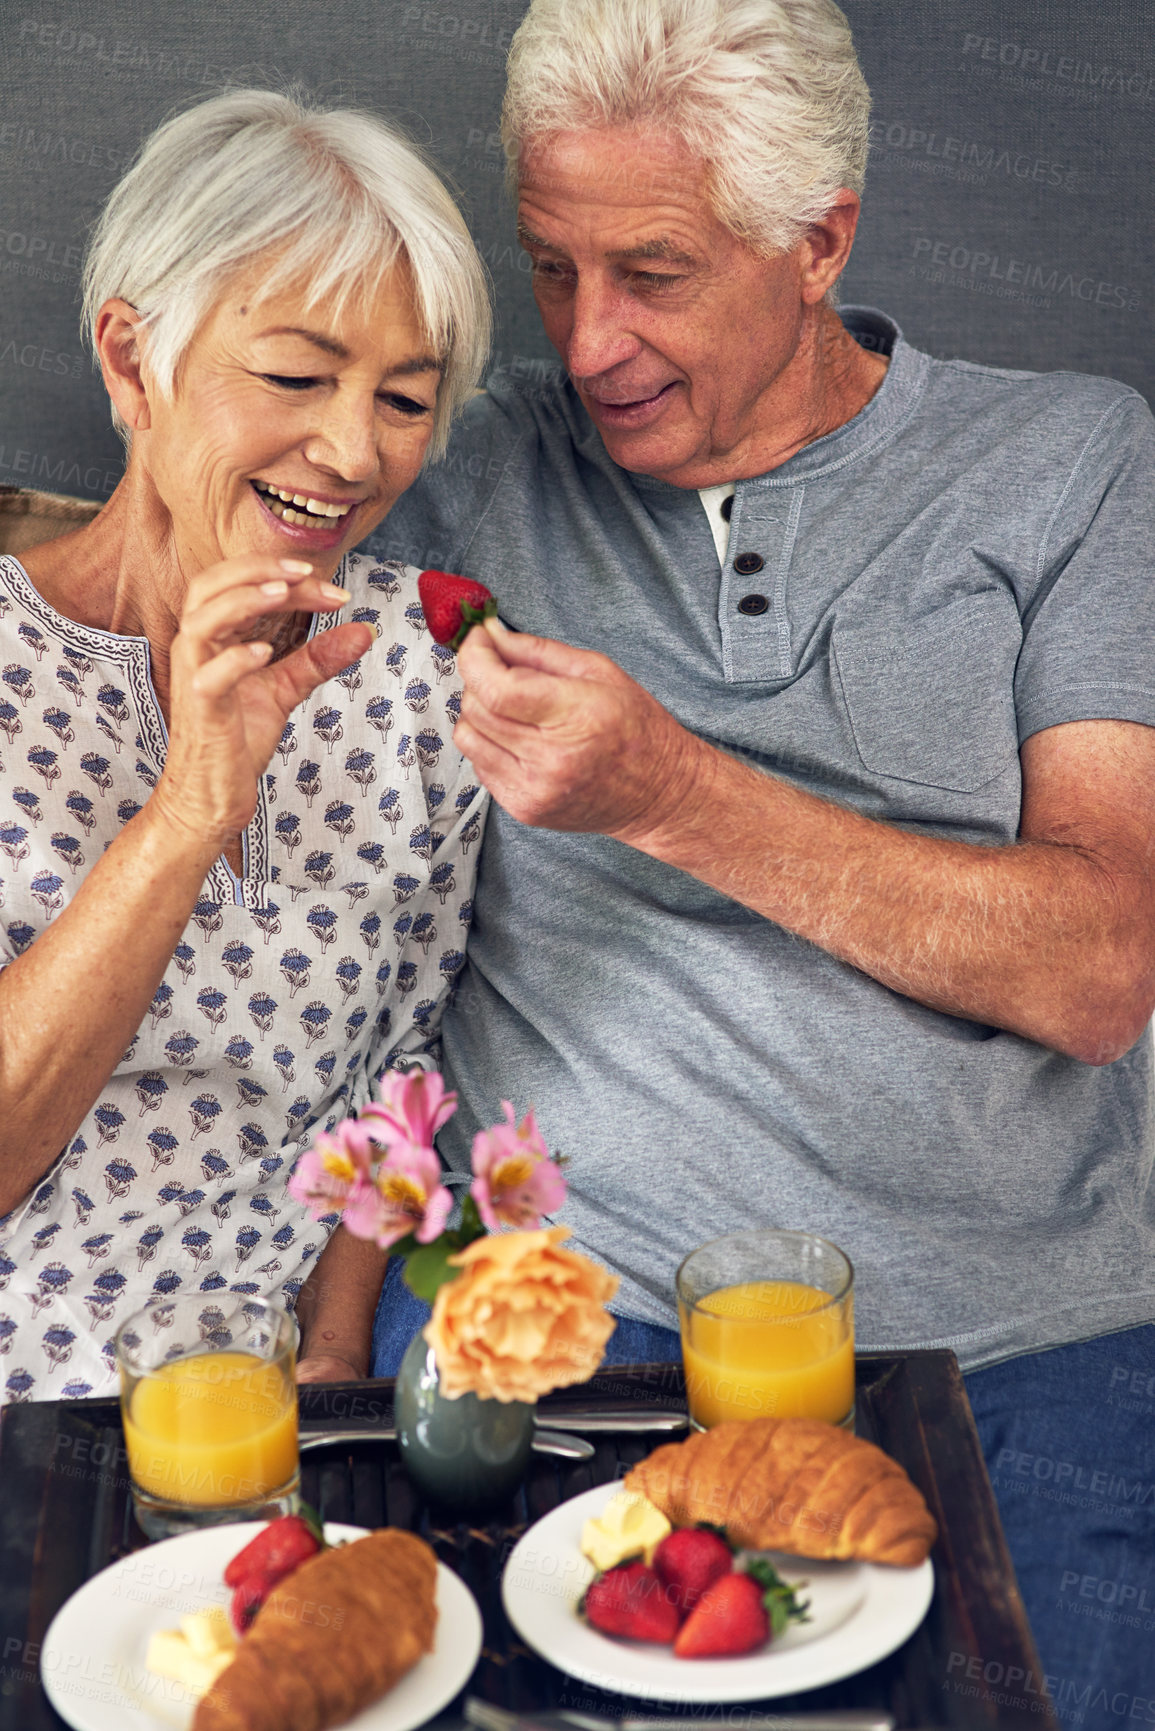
[1009, 216]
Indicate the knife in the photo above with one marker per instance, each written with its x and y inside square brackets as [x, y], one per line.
[489, 1718]
[545, 1442]
[609, 1419]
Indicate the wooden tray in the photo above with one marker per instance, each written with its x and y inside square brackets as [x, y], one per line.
[65, 1512]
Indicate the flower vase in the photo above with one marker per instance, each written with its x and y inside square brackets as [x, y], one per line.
[467, 1454]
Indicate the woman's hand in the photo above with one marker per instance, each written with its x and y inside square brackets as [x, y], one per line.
[229, 700]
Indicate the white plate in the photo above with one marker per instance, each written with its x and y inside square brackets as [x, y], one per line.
[859, 1613]
[92, 1661]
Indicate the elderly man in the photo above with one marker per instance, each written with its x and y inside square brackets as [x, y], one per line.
[820, 895]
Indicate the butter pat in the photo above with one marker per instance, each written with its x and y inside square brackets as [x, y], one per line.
[209, 1632]
[629, 1526]
[196, 1653]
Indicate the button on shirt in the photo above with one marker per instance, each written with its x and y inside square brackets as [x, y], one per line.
[964, 563]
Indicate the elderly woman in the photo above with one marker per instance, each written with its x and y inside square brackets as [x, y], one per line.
[239, 841]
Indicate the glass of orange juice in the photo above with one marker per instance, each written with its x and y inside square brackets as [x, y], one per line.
[767, 1322]
[209, 1402]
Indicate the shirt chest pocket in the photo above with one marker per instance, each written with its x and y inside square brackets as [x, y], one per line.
[932, 700]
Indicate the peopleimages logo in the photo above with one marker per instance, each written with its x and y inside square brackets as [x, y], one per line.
[1113, 1487]
[460, 36]
[1067, 68]
[58, 147]
[1002, 274]
[1132, 1390]
[37, 358]
[45, 44]
[941, 153]
[24, 468]
[1119, 1602]
[46, 257]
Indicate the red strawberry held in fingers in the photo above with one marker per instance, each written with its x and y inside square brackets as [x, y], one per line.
[631, 1601]
[690, 1560]
[729, 1618]
[453, 604]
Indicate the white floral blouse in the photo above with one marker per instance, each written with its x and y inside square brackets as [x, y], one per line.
[291, 989]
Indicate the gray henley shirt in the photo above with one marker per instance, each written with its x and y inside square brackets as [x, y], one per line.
[966, 562]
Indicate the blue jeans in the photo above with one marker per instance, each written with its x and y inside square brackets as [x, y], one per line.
[1069, 1441]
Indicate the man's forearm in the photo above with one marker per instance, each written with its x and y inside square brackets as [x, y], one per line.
[1052, 937]
[1038, 938]
[337, 1303]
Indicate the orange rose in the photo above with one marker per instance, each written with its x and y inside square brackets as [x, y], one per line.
[524, 1316]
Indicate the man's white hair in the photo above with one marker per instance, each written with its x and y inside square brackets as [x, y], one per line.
[767, 93]
[333, 198]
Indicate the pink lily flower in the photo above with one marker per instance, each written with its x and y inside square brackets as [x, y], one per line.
[414, 1105]
[514, 1180]
[335, 1171]
[406, 1196]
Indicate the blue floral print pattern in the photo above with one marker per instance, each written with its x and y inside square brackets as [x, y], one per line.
[291, 989]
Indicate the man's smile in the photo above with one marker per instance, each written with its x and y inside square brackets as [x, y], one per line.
[628, 411]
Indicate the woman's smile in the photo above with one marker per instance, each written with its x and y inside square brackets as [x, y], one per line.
[280, 502]
[303, 518]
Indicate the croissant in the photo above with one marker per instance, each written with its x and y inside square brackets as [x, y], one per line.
[333, 1637]
[791, 1484]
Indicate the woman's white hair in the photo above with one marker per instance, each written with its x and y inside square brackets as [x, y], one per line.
[768, 93]
[334, 197]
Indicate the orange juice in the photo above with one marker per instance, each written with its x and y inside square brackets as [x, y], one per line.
[213, 1429]
[768, 1346]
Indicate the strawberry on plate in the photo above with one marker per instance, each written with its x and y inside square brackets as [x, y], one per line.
[453, 604]
[738, 1613]
[729, 1618]
[631, 1601]
[276, 1551]
[248, 1597]
[688, 1561]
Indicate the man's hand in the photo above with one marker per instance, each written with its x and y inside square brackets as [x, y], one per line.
[563, 739]
[335, 1309]
[328, 1367]
[1052, 938]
